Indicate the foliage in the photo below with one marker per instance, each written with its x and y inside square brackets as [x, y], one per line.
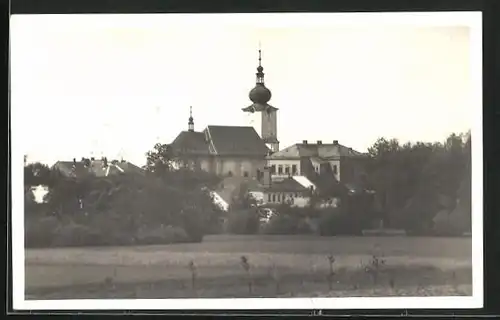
[39, 231]
[162, 235]
[114, 209]
[243, 221]
[37, 173]
[411, 180]
[336, 221]
[289, 220]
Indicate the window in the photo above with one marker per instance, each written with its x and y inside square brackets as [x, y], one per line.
[287, 169]
[269, 197]
[294, 169]
[273, 169]
[274, 198]
[245, 174]
[335, 169]
[280, 169]
[296, 195]
[230, 173]
[283, 196]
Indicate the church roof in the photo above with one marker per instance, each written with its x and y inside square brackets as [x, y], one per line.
[232, 140]
[190, 142]
[323, 151]
[221, 140]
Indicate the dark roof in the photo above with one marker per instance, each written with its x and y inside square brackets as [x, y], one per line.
[323, 151]
[96, 168]
[191, 142]
[241, 141]
[286, 185]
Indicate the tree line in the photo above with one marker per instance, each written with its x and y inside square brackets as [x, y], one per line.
[413, 183]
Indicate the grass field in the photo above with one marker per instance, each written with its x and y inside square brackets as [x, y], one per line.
[279, 266]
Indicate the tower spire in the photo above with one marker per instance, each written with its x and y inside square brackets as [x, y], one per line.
[260, 69]
[191, 120]
[260, 58]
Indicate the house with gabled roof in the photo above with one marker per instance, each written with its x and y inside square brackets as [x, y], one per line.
[311, 160]
[96, 167]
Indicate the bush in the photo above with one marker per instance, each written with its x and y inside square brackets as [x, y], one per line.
[39, 232]
[73, 234]
[445, 224]
[289, 220]
[161, 235]
[244, 221]
[283, 224]
[337, 222]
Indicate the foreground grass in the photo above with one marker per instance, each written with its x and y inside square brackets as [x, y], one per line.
[289, 266]
[393, 280]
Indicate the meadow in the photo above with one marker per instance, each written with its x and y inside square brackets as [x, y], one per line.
[255, 266]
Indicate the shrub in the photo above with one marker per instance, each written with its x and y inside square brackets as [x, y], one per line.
[161, 235]
[446, 225]
[287, 223]
[338, 222]
[243, 221]
[73, 234]
[39, 232]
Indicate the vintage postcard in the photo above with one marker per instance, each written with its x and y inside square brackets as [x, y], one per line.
[247, 161]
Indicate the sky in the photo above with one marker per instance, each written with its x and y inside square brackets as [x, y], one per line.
[114, 85]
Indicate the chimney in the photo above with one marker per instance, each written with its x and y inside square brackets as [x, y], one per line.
[320, 142]
[266, 177]
[335, 142]
[304, 141]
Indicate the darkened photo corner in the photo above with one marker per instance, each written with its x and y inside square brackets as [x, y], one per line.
[169, 159]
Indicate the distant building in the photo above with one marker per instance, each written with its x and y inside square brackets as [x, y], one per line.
[273, 176]
[312, 159]
[222, 150]
[99, 168]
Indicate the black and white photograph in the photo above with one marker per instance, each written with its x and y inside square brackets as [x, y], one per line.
[247, 161]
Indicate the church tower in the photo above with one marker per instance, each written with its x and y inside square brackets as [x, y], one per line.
[265, 113]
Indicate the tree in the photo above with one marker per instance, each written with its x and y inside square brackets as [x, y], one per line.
[37, 173]
[410, 179]
[160, 160]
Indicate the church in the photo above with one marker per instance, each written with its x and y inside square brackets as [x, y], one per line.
[242, 155]
[233, 150]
